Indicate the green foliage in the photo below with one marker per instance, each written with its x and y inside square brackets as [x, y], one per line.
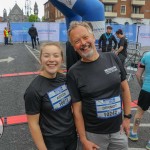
[33, 18]
[43, 19]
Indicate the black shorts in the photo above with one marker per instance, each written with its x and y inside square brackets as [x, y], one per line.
[61, 143]
[144, 100]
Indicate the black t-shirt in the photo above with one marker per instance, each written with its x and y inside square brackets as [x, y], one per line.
[123, 42]
[97, 85]
[51, 99]
[33, 32]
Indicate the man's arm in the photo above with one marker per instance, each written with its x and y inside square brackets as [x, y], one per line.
[78, 117]
[119, 50]
[115, 41]
[121, 47]
[29, 31]
[4, 33]
[99, 41]
[126, 105]
[139, 74]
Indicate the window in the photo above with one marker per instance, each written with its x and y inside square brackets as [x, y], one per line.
[108, 8]
[123, 10]
[136, 9]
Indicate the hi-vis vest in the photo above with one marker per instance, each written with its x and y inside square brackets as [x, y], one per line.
[5, 33]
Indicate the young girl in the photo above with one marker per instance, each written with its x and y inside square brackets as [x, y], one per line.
[48, 104]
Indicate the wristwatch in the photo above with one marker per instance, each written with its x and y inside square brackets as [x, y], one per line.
[129, 116]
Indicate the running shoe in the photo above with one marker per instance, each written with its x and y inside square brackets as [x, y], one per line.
[133, 137]
[148, 146]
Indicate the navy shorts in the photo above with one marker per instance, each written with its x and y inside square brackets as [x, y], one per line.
[144, 100]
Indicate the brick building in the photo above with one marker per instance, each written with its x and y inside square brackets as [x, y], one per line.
[52, 14]
[1, 19]
[127, 11]
[116, 11]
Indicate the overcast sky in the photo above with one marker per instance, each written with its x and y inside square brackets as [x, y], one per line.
[8, 4]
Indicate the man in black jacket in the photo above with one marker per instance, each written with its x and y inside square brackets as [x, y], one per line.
[33, 34]
[105, 41]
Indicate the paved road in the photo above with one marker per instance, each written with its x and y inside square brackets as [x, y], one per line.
[25, 59]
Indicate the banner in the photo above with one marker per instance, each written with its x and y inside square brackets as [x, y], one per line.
[58, 31]
[2, 26]
[54, 32]
[43, 30]
[20, 31]
[144, 35]
[98, 28]
[128, 30]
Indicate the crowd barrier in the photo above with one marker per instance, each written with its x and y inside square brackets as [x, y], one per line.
[133, 58]
[52, 31]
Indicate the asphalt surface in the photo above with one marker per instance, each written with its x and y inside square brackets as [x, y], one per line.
[25, 59]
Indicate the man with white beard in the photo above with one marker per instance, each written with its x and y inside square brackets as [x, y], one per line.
[94, 84]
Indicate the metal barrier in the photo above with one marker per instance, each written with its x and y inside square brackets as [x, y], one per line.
[133, 59]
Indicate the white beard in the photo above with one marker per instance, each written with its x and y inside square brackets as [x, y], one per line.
[88, 55]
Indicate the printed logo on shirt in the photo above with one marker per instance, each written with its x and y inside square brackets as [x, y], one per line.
[110, 70]
[59, 97]
[108, 108]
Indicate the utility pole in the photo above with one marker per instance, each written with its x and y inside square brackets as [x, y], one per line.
[137, 38]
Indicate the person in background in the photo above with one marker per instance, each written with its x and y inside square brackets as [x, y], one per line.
[6, 34]
[98, 87]
[10, 37]
[48, 104]
[121, 52]
[33, 34]
[106, 39]
[144, 96]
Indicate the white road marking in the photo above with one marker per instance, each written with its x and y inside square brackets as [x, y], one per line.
[148, 111]
[136, 148]
[32, 53]
[142, 124]
[9, 59]
[133, 108]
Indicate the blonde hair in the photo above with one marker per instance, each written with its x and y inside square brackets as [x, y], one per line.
[75, 24]
[50, 44]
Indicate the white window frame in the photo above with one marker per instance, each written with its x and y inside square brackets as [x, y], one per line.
[123, 13]
[107, 6]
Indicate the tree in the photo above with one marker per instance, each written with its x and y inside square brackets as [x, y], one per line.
[43, 19]
[33, 18]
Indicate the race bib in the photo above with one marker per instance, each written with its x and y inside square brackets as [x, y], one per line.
[59, 97]
[107, 42]
[108, 108]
